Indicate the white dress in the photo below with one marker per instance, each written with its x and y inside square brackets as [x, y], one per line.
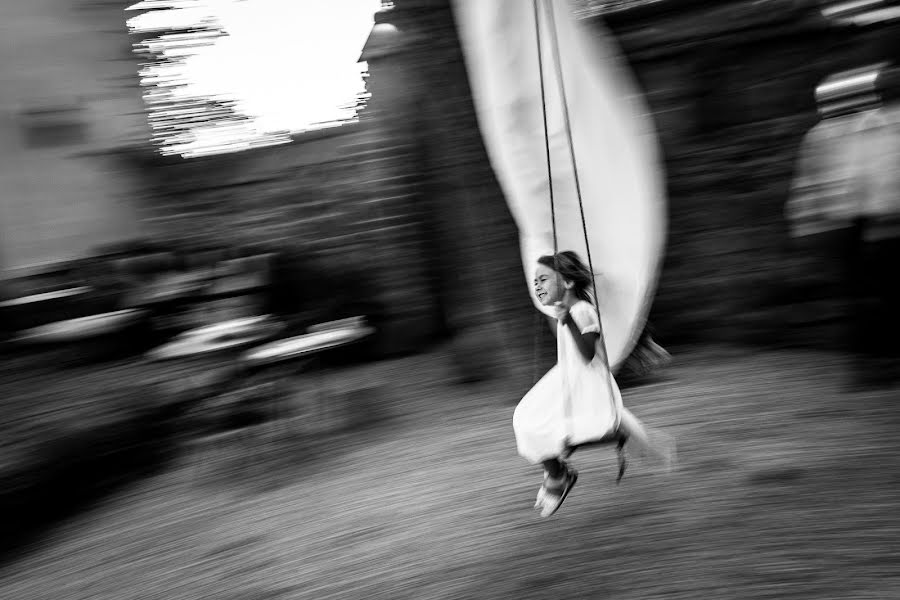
[575, 402]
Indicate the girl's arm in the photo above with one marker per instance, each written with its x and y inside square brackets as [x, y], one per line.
[586, 342]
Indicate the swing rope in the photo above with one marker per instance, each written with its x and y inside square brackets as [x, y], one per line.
[551, 22]
[537, 25]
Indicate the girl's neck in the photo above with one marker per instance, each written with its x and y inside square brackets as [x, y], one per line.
[569, 298]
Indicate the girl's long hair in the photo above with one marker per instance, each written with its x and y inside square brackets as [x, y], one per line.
[570, 268]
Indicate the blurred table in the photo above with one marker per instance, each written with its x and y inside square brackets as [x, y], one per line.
[279, 362]
[319, 340]
[82, 328]
[228, 336]
[43, 297]
[86, 340]
[36, 309]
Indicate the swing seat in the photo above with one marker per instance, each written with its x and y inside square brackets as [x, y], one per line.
[617, 437]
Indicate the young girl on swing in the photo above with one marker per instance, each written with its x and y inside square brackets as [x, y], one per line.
[577, 401]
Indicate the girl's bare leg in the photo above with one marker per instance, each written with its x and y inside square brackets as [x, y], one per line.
[555, 468]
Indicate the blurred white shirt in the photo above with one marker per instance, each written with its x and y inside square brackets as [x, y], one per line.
[848, 167]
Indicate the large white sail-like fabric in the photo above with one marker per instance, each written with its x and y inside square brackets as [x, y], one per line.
[618, 160]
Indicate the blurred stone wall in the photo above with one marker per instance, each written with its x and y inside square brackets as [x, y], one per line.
[340, 201]
[473, 240]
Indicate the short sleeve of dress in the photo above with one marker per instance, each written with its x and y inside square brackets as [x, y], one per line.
[585, 316]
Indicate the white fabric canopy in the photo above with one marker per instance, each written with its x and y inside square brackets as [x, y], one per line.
[619, 170]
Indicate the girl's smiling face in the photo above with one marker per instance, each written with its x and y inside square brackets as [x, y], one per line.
[549, 287]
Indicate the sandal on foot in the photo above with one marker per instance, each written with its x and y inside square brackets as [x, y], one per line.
[549, 499]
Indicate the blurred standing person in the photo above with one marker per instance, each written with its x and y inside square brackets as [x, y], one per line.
[845, 209]
[875, 256]
[822, 217]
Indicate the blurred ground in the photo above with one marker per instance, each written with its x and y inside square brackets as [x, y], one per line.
[787, 489]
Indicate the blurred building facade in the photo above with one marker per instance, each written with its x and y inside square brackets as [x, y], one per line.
[68, 96]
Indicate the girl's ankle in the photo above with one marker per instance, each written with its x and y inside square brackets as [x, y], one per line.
[555, 469]
[558, 481]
